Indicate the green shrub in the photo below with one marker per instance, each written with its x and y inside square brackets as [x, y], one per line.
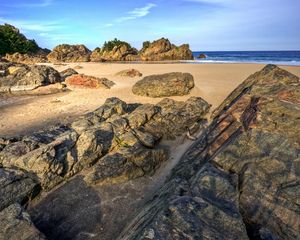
[11, 41]
[108, 46]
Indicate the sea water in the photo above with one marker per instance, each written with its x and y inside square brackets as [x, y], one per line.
[291, 58]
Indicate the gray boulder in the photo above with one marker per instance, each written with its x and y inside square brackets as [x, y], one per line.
[21, 77]
[165, 85]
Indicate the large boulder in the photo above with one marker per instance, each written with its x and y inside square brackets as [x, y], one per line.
[20, 77]
[162, 49]
[121, 52]
[84, 81]
[240, 179]
[69, 53]
[164, 85]
[16, 224]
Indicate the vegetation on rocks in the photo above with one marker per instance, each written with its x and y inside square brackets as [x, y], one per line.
[12, 41]
[109, 46]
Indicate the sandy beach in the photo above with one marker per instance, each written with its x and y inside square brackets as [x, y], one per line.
[25, 114]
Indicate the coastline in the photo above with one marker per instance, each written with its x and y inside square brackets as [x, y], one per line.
[213, 82]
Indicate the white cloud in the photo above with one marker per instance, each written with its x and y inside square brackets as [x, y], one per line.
[24, 25]
[134, 14]
[43, 3]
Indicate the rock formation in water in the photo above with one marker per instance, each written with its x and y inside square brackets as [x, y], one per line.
[69, 53]
[164, 85]
[162, 49]
[241, 179]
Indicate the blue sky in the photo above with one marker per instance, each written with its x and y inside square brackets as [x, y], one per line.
[204, 24]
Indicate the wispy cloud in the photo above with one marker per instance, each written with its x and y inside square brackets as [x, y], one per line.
[134, 14]
[39, 26]
[42, 3]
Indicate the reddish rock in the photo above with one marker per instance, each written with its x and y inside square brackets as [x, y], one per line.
[81, 80]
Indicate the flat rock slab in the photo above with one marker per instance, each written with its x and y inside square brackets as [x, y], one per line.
[164, 85]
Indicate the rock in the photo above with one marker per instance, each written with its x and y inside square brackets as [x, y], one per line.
[69, 53]
[162, 49]
[122, 52]
[165, 85]
[202, 56]
[67, 73]
[125, 164]
[81, 80]
[241, 174]
[16, 186]
[23, 77]
[129, 73]
[32, 58]
[78, 67]
[15, 224]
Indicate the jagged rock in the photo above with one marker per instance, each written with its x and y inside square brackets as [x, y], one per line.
[129, 73]
[67, 73]
[15, 224]
[162, 49]
[16, 186]
[81, 80]
[122, 52]
[241, 174]
[32, 58]
[22, 77]
[69, 53]
[125, 164]
[165, 85]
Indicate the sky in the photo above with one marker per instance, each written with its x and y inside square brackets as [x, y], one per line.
[207, 25]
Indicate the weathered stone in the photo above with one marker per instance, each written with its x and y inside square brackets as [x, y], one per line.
[122, 52]
[69, 53]
[162, 49]
[15, 224]
[165, 85]
[81, 80]
[38, 57]
[23, 78]
[247, 160]
[16, 186]
[67, 73]
[125, 164]
[129, 73]
[202, 56]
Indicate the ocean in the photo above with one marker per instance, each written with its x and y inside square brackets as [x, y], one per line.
[291, 58]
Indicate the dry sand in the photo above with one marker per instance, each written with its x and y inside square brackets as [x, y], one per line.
[21, 115]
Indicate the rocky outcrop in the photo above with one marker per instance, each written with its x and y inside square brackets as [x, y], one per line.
[16, 186]
[15, 224]
[67, 73]
[165, 85]
[129, 73]
[240, 179]
[118, 140]
[84, 81]
[69, 53]
[121, 52]
[162, 49]
[202, 56]
[31, 58]
[21, 77]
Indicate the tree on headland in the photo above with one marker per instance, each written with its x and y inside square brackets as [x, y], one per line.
[108, 46]
[12, 41]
